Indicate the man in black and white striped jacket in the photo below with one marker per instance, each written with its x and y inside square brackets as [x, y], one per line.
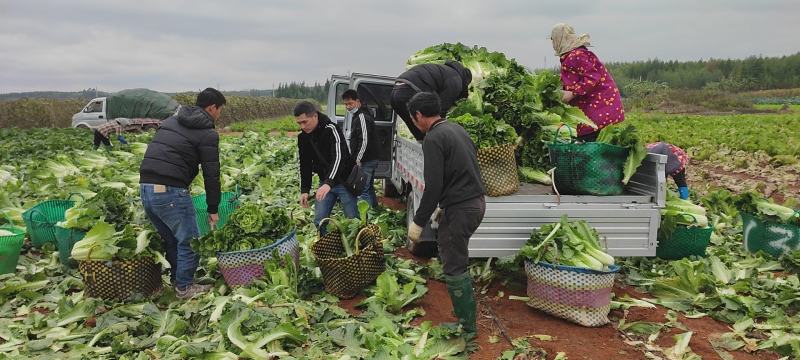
[363, 144]
[323, 150]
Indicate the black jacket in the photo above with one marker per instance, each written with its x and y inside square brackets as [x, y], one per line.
[363, 147]
[450, 81]
[182, 143]
[451, 169]
[330, 160]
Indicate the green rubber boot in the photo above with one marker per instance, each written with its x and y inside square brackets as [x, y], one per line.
[462, 295]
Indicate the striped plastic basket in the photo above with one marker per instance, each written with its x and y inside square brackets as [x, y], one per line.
[582, 296]
[242, 267]
[41, 220]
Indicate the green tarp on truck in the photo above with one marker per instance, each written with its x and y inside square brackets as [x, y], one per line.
[140, 103]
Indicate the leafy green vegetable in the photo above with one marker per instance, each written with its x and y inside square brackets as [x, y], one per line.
[567, 243]
[531, 175]
[109, 203]
[680, 212]
[98, 244]
[504, 92]
[251, 226]
[765, 209]
[393, 297]
[625, 135]
[485, 131]
[349, 228]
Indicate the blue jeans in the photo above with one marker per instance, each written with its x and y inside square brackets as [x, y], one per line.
[322, 209]
[369, 188]
[172, 214]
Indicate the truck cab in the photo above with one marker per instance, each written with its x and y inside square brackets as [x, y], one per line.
[375, 93]
[92, 115]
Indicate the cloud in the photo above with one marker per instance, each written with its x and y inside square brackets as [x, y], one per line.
[188, 45]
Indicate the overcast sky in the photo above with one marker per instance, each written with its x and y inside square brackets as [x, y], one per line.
[172, 45]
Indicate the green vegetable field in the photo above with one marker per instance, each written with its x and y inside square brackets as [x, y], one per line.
[752, 301]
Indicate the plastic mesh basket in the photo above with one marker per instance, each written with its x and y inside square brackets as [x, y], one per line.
[587, 168]
[242, 267]
[10, 247]
[66, 239]
[770, 237]
[229, 201]
[684, 242]
[582, 296]
[41, 219]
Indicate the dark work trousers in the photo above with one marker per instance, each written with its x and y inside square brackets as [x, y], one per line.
[458, 223]
[590, 137]
[680, 178]
[99, 138]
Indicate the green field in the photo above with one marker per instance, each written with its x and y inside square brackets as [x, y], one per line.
[286, 123]
[775, 134]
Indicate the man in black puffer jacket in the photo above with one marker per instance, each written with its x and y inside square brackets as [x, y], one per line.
[449, 81]
[323, 150]
[183, 143]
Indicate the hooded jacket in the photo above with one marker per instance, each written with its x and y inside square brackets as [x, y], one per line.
[450, 81]
[323, 151]
[363, 141]
[183, 143]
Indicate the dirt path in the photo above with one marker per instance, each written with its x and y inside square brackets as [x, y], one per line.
[577, 342]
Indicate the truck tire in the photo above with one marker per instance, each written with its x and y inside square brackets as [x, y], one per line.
[426, 246]
[389, 190]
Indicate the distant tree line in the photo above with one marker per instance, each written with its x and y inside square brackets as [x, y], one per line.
[299, 90]
[752, 73]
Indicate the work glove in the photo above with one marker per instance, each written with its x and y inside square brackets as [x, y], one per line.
[414, 232]
[684, 192]
[122, 140]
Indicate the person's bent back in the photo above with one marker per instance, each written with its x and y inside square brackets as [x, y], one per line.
[183, 143]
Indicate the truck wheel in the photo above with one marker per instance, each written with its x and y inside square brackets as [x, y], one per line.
[82, 127]
[389, 190]
[426, 246]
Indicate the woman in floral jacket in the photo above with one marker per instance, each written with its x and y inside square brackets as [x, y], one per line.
[587, 83]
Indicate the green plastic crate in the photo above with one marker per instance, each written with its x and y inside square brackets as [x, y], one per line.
[66, 239]
[41, 219]
[10, 247]
[684, 242]
[229, 201]
[772, 238]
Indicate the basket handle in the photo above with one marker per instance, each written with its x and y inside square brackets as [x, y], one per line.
[555, 133]
[37, 211]
[79, 195]
[358, 239]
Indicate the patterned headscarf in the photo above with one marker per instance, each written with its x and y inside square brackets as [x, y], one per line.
[565, 40]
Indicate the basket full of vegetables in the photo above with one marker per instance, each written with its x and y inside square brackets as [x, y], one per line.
[253, 235]
[767, 226]
[349, 253]
[119, 265]
[496, 142]
[602, 167]
[569, 275]
[684, 229]
[109, 204]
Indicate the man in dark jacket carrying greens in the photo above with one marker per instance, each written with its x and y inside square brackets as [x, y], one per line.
[453, 182]
[182, 144]
[450, 81]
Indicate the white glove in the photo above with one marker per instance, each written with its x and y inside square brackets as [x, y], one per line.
[414, 232]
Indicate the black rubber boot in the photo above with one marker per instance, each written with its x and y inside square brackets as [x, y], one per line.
[462, 295]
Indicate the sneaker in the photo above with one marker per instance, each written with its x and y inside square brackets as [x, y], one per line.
[191, 291]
